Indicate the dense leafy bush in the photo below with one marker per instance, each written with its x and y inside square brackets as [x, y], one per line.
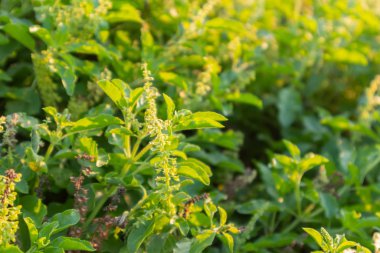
[139, 126]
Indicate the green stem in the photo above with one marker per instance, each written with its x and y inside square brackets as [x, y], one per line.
[104, 198]
[300, 219]
[99, 206]
[273, 223]
[136, 147]
[297, 9]
[297, 193]
[141, 201]
[143, 152]
[141, 167]
[10, 155]
[127, 143]
[293, 224]
[127, 146]
[316, 212]
[124, 171]
[49, 151]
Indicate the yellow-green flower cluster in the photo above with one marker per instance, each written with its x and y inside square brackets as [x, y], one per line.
[168, 166]
[372, 97]
[8, 211]
[203, 85]
[3, 120]
[82, 17]
[154, 126]
[44, 64]
[9, 130]
[199, 19]
[158, 129]
[376, 242]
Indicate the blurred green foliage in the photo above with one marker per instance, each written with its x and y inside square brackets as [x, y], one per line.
[295, 78]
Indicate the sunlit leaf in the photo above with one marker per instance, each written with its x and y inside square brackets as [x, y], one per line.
[20, 33]
[92, 123]
[202, 241]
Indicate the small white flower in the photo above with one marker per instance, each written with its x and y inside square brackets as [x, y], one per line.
[376, 241]
[34, 28]
[349, 251]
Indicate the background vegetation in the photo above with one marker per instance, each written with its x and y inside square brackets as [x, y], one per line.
[112, 137]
